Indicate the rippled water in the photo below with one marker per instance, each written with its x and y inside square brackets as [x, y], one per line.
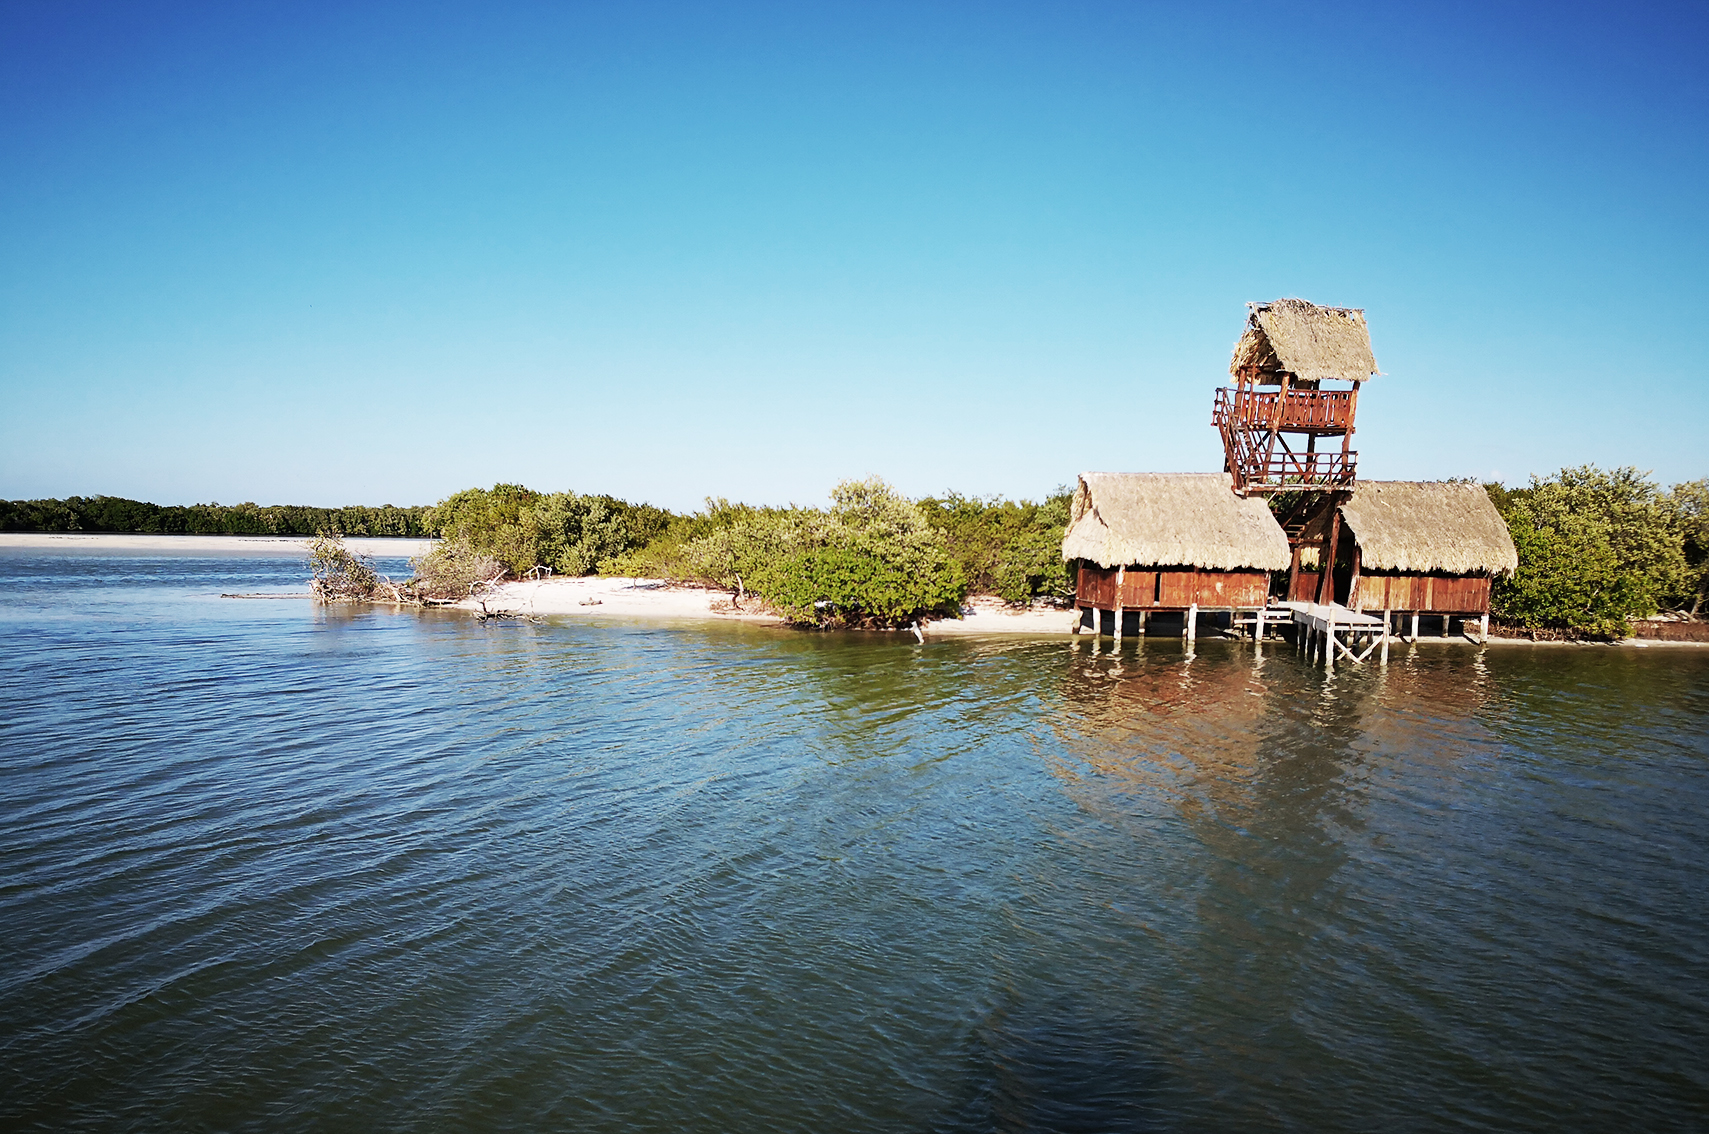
[265, 865]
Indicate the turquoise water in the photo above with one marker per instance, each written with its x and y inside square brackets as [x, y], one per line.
[267, 865]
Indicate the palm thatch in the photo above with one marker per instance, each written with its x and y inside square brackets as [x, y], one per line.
[1310, 342]
[1418, 527]
[1172, 520]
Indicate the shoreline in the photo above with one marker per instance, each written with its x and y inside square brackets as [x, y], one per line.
[150, 543]
[597, 596]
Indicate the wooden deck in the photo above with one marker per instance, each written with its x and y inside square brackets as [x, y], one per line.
[1328, 629]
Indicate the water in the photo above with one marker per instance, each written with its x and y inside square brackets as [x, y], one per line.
[265, 865]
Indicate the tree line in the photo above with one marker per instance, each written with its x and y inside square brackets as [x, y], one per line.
[872, 558]
[117, 514]
[1597, 547]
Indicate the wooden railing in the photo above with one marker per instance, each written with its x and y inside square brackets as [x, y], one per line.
[1260, 465]
[1326, 410]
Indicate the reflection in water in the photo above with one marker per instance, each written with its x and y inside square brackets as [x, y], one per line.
[269, 864]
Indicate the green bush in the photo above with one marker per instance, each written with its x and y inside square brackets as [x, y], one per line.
[1690, 504]
[339, 573]
[451, 568]
[1008, 548]
[523, 529]
[1596, 549]
[870, 560]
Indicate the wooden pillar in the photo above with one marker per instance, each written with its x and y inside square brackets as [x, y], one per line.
[1326, 576]
[1483, 628]
[1192, 627]
[1386, 617]
[1414, 636]
[1354, 598]
[1329, 643]
[1258, 625]
[1141, 629]
[1294, 574]
[1446, 618]
[1121, 577]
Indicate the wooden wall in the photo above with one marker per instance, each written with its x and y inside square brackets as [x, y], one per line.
[1442, 594]
[1172, 588]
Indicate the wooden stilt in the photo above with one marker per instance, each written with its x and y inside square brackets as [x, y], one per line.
[1329, 643]
[1121, 577]
[1483, 629]
[1192, 622]
[1258, 625]
[1141, 630]
[1446, 619]
[1387, 618]
[1414, 635]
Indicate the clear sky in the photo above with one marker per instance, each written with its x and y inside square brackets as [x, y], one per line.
[364, 253]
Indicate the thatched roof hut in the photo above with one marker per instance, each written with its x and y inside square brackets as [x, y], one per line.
[1310, 342]
[1423, 527]
[1172, 519]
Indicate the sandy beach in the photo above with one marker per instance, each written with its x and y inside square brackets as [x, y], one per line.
[596, 597]
[611, 597]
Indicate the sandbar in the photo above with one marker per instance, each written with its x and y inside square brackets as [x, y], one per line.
[111, 543]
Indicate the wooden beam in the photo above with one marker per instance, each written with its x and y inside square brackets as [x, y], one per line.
[1121, 577]
[1326, 575]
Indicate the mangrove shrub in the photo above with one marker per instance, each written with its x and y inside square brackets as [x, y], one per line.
[871, 559]
[1597, 548]
[1009, 548]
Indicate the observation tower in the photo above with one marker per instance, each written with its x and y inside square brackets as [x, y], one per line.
[1287, 422]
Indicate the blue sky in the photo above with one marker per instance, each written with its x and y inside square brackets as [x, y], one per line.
[365, 253]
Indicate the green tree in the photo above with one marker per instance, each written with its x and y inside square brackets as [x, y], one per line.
[872, 559]
[1690, 505]
[574, 534]
[496, 522]
[1008, 548]
[1596, 549]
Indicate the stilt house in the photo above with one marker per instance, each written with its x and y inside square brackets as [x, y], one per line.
[1409, 547]
[1287, 422]
[1181, 542]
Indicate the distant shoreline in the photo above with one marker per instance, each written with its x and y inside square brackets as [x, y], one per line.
[111, 542]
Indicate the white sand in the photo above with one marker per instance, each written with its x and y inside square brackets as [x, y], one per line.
[983, 614]
[654, 598]
[200, 545]
[596, 597]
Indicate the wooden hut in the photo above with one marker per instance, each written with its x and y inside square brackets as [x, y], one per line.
[1287, 422]
[1181, 542]
[1411, 547]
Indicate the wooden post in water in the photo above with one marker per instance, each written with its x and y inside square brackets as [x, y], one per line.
[1141, 630]
[1121, 576]
[1414, 636]
[1258, 625]
[1387, 618]
[1483, 629]
[1329, 643]
[1192, 622]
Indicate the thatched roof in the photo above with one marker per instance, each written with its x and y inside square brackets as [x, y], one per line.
[1309, 341]
[1422, 526]
[1172, 520]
